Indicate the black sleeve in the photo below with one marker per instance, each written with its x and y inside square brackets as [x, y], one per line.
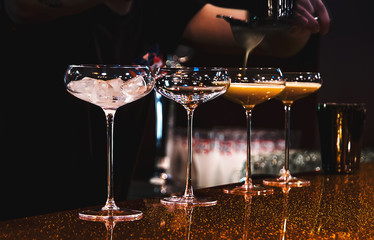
[5, 20]
[173, 17]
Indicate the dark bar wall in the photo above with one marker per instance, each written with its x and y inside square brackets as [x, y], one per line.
[343, 56]
[346, 58]
[52, 146]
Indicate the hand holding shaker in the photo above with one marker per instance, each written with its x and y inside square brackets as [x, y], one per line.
[341, 127]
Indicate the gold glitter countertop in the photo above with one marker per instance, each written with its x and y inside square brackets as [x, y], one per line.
[333, 207]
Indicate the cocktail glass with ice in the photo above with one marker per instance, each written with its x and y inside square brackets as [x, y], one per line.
[109, 87]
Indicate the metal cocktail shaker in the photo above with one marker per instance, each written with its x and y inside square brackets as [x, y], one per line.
[341, 126]
[265, 15]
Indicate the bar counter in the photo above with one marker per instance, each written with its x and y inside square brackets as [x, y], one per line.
[333, 207]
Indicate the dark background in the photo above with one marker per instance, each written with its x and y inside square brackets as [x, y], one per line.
[33, 181]
[346, 58]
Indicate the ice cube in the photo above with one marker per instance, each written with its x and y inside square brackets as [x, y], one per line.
[102, 92]
[111, 93]
[134, 87]
[84, 86]
[91, 90]
[117, 85]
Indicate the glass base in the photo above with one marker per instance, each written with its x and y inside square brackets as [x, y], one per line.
[249, 190]
[291, 181]
[184, 201]
[116, 215]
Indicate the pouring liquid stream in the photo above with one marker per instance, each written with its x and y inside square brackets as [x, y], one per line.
[251, 43]
[247, 39]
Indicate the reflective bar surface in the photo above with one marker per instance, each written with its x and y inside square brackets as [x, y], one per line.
[333, 207]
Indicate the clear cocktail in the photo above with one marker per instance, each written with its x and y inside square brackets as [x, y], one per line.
[191, 87]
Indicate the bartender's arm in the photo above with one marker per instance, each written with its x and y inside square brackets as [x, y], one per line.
[209, 32]
[204, 28]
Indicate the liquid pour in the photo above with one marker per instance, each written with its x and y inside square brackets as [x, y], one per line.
[251, 44]
[248, 39]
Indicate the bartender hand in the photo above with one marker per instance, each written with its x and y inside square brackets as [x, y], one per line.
[312, 15]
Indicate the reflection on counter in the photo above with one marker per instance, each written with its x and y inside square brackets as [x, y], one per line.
[337, 206]
[219, 156]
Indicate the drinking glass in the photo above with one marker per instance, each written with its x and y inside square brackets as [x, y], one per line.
[109, 87]
[298, 85]
[249, 87]
[191, 87]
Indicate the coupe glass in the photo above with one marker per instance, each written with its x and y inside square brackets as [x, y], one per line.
[249, 87]
[298, 85]
[109, 87]
[191, 87]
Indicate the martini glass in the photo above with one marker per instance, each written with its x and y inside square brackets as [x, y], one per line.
[298, 85]
[109, 87]
[191, 87]
[249, 87]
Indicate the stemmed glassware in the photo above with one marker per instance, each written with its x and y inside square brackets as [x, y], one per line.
[298, 85]
[191, 87]
[109, 87]
[249, 87]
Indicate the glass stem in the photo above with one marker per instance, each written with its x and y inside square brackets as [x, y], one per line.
[287, 133]
[248, 172]
[188, 193]
[110, 204]
[285, 216]
[189, 212]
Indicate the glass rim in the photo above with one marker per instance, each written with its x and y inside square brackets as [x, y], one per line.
[301, 72]
[263, 75]
[254, 68]
[343, 104]
[307, 76]
[108, 66]
[277, 69]
[196, 68]
[292, 75]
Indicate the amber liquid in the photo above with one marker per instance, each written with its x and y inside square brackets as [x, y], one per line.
[297, 90]
[251, 94]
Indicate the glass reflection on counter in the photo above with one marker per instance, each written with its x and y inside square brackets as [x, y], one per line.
[221, 154]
